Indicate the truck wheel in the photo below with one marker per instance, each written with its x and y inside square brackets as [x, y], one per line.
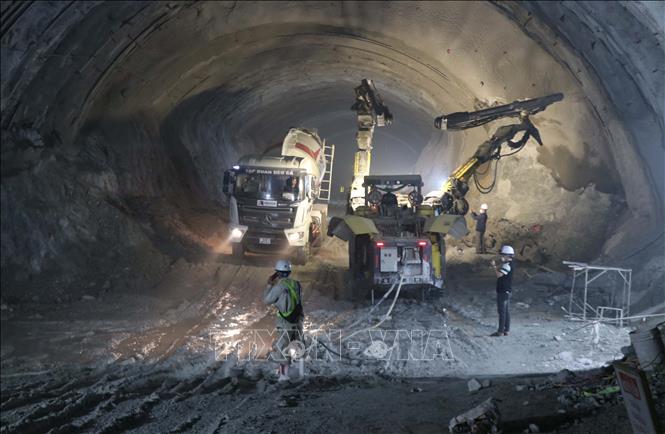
[238, 251]
[302, 255]
[361, 288]
[434, 292]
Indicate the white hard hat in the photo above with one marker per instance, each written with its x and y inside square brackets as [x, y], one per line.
[483, 206]
[507, 250]
[283, 265]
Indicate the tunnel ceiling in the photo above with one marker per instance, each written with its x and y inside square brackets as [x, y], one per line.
[166, 95]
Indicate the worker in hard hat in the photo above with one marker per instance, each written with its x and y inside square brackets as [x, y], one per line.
[286, 294]
[481, 224]
[504, 288]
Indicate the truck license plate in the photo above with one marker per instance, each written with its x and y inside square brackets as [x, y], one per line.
[264, 240]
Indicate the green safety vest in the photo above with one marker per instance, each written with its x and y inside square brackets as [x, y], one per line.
[296, 307]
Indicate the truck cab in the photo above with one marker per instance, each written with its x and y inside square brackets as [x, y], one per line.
[275, 202]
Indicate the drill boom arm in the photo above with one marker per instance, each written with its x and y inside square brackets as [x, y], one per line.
[465, 120]
[371, 112]
[456, 186]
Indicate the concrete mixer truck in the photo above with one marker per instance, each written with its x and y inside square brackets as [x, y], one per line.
[278, 203]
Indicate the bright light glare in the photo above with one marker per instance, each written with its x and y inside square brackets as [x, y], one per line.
[295, 236]
[236, 233]
[231, 332]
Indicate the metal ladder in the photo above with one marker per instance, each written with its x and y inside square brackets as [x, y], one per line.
[326, 180]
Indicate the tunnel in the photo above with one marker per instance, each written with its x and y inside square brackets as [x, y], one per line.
[120, 119]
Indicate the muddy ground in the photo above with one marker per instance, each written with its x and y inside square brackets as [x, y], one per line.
[163, 358]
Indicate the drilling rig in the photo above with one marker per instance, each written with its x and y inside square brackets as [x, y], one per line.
[393, 233]
[386, 228]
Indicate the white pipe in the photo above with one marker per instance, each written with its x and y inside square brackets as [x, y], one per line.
[385, 317]
[359, 320]
[373, 307]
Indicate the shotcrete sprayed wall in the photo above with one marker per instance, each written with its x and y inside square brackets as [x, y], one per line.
[133, 103]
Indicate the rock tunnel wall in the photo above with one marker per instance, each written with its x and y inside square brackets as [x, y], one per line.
[111, 107]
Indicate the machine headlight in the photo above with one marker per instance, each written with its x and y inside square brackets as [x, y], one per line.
[237, 233]
[296, 236]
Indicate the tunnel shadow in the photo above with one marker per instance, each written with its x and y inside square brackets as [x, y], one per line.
[170, 171]
[150, 184]
[196, 139]
[572, 173]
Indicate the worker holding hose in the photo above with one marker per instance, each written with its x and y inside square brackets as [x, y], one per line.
[286, 294]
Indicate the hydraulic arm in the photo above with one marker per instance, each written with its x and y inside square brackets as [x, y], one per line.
[371, 113]
[452, 199]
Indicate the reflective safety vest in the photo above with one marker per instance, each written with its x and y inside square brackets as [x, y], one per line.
[294, 314]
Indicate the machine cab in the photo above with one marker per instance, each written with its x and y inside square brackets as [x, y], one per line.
[387, 195]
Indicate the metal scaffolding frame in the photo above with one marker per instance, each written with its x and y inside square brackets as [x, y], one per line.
[590, 273]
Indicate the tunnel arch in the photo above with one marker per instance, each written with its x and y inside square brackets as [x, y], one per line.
[192, 86]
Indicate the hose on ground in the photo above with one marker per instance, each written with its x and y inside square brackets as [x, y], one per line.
[385, 317]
